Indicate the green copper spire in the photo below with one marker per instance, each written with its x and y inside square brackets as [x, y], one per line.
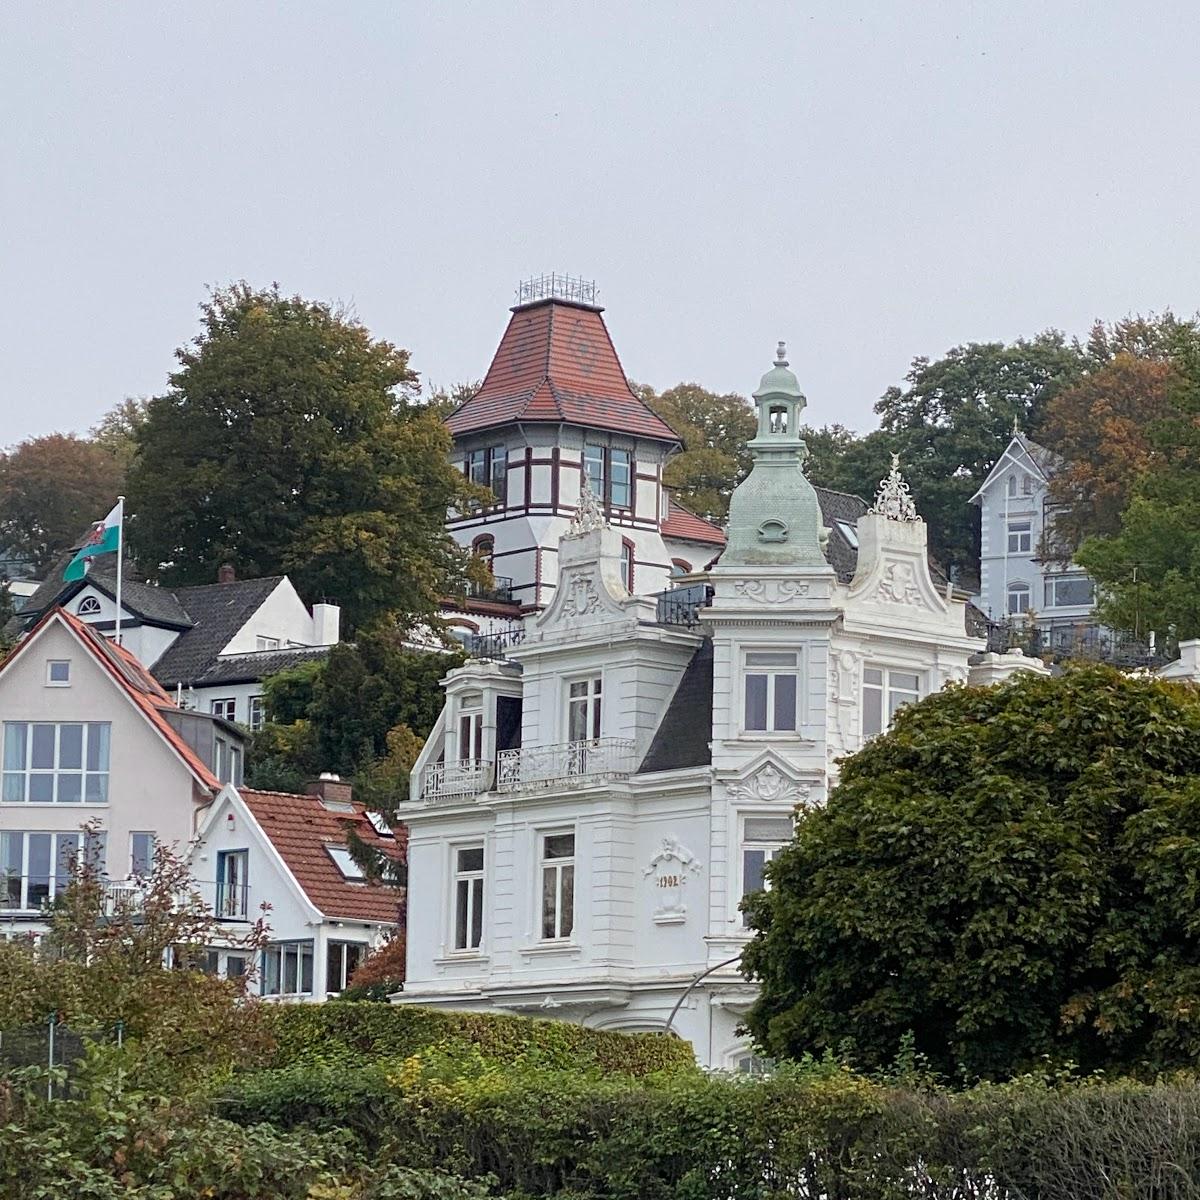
[774, 517]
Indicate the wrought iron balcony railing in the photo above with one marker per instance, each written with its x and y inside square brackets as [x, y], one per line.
[501, 590]
[495, 645]
[682, 605]
[447, 781]
[536, 767]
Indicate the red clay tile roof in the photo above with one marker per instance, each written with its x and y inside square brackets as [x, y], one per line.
[137, 683]
[300, 827]
[688, 527]
[557, 363]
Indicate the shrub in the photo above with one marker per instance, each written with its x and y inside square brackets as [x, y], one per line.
[340, 1032]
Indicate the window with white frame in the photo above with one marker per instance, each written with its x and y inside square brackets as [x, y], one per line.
[232, 895]
[345, 862]
[89, 606]
[1020, 537]
[1018, 598]
[257, 712]
[1066, 591]
[58, 672]
[609, 474]
[141, 854]
[558, 885]
[470, 735]
[287, 969]
[56, 763]
[886, 690]
[225, 708]
[583, 710]
[341, 961]
[770, 682]
[762, 839]
[36, 867]
[265, 643]
[468, 897]
[627, 565]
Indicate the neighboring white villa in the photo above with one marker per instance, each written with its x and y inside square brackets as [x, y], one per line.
[593, 804]
[1016, 580]
[89, 737]
[210, 645]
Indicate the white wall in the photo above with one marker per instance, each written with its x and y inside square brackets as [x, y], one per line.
[282, 615]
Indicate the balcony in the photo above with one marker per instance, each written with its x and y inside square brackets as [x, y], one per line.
[682, 605]
[446, 782]
[495, 646]
[500, 592]
[571, 764]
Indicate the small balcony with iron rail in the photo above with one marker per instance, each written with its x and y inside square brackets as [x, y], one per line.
[565, 765]
[454, 782]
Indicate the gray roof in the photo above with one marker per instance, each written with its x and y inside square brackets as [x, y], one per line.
[1044, 459]
[841, 553]
[249, 668]
[217, 611]
[682, 737]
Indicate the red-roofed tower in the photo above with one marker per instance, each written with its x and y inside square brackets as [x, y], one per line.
[556, 404]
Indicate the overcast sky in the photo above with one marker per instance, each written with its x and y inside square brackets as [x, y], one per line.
[868, 181]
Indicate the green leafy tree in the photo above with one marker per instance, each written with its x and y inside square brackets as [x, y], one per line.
[1008, 873]
[953, 419]
[291, 441]
[117, 431]
[51, 489]
[1149, 571]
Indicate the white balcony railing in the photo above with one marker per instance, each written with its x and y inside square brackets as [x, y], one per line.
[455, 780]
[593, 761]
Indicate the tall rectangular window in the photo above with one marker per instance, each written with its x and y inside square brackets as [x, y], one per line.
[771, 678]
[620, 478]
[762, 839]
[488, 467]
[232, 884]
[593, 468]
[258, 712]
[583, 710]
[468, 897]
[470, 736]
[1020, 537]
[885, 691]
[287, 969]
[341, 961]
[56, 764]
[141, 854]
[558, 885]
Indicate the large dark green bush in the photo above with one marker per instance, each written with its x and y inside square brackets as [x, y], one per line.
[344, 1032]
[1009, 873]
[819, 1132]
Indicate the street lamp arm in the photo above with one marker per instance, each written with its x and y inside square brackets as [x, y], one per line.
[691, 987]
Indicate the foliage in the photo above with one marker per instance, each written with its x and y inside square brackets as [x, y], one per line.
[1149, 571]
[51, 490]
[339, 1033]
[291, 441]
[812, 1130]
[1008, 873]
[444, 400]
[117, 431]
[381, 973]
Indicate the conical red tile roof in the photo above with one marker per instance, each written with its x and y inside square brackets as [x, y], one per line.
[556, 363]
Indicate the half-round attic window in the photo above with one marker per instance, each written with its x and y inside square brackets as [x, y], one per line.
[89, 606]
[772, 531]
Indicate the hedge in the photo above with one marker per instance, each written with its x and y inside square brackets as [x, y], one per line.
[360, 1032]
[822, 1133]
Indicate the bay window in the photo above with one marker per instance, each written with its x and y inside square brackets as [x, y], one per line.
[885, 691]
[770, 682]
[56, 763]
[287, 969]
[468, 897]
[558, 885]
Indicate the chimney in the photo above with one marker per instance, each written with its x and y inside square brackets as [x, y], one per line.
[226, 573]
[327, 621]
[330, 789]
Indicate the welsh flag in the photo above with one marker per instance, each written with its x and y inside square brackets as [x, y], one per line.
[105, 538]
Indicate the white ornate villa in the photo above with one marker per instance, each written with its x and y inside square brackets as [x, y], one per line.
[600, 793]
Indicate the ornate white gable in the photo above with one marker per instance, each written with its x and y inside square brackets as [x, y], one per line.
[769, 779]
[589, 589]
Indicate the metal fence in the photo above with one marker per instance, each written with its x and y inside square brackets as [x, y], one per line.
[1067, 640]
[54, 1047]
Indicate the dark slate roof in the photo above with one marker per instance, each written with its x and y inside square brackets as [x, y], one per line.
[841, 553]
[249, 668]
[218, 611]
[681, 739]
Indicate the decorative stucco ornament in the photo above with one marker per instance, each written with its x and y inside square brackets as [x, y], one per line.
[589, 516]
[582, 597]
[899, 585]
[771, 786]
[893, 500]
[671, 866]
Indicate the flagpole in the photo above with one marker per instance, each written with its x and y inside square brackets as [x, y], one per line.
[120, 563]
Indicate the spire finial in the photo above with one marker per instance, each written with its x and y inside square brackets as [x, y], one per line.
[893, 500]
[1016, 424]
[781, 354]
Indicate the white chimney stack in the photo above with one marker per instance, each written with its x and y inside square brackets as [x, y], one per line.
[327, 621]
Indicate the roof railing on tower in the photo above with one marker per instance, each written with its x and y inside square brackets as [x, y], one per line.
[557, 287]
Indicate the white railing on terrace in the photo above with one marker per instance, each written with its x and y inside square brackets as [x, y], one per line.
[454, 780]
[567, 763]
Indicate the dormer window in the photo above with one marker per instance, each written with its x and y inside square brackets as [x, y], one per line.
[778, 418]
[89, 606]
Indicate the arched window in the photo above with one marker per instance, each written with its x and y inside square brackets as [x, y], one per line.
[484, 546]
[1018, 598]
[89, 606]
[627, 564]
[1012, 485]
[680, 566]
[778, 416]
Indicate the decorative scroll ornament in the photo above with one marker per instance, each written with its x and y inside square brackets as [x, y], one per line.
[582, 597]
[893, 499]
[771, 786]
[760, 592]
[589, 516]
[671, 866]
[899, 585]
